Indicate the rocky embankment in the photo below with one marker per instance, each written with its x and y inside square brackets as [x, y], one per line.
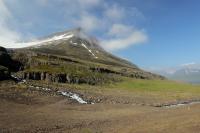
[60, 78]
[75, 79]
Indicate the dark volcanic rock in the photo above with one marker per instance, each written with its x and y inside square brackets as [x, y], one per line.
[6, 61]
[61, 78]
[2, 49]
[4, 73]
[7, 64]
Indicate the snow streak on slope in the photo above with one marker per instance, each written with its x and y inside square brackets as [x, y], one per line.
[89, 50]
[74, 43]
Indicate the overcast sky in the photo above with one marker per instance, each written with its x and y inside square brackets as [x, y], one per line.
[150, 33]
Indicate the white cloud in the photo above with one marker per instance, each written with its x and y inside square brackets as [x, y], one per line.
[4, 12]
[88, 22]
[109, 21]
[80, 13]
[115, 13]
[136, 37]
[42, 2]
[94, 16]
[120, 30]
[89, 3]
[136, 13]
[7, 35]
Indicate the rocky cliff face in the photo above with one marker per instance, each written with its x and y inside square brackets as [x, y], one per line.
[109, 76]
[63, 78]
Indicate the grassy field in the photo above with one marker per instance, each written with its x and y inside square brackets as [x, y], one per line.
[143, 91]
[164, 88]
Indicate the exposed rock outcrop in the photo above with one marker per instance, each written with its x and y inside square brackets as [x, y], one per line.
[103, 70]
[4, 73]
[7, 61]
[62, 78]
[137, 74]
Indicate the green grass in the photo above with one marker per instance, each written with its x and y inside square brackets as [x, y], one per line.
[155, 85]
[148, 86]
[159, 90]
[129, 87]
[140, 91]
[147, 91]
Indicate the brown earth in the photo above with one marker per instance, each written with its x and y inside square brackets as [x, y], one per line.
[29, 111]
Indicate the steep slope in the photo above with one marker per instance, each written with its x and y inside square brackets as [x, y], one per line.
[73, 56]
[75, 43]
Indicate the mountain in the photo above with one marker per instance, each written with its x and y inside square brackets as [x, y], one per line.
[75, 57]
[187, 73]
[76, 44]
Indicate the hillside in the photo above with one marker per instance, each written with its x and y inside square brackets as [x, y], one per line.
[73, 57]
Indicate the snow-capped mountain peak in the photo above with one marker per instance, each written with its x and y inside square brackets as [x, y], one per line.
[189, 72]
[66, 40]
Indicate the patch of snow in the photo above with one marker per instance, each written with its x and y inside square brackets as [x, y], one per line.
[64, 36]
[55, 38]
[73, 96]
[47, 41]
[15, 77]
[89, 50]
[74, 43]
[19, 80]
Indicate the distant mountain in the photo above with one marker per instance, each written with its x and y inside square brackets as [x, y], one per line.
[187, 73]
